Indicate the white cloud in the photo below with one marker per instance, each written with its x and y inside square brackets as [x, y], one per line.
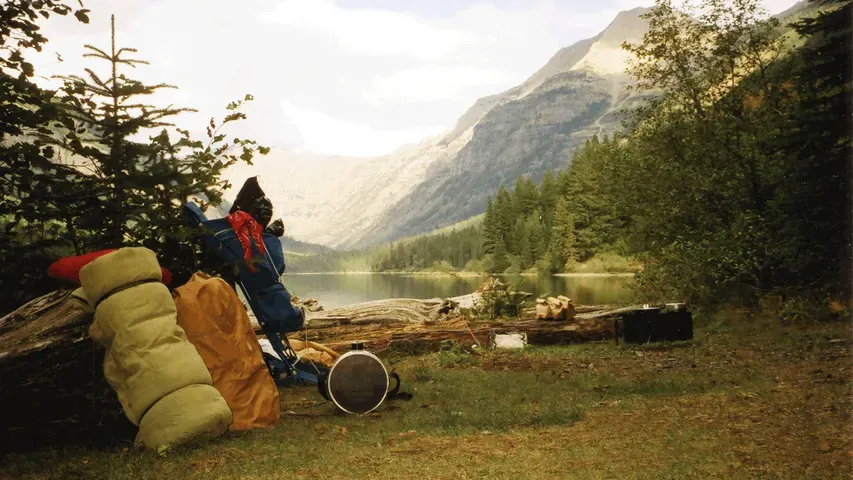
[432, 83]
[370, 31]
[380, 78]
[325, 134]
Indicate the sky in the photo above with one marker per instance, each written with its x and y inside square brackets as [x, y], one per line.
[338, 77]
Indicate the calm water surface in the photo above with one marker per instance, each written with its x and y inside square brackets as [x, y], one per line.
[335, 290]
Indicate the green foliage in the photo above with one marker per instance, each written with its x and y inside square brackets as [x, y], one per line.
[734, 176]
[75, 175]
[456, 248]
[734, 180]
[40, 195]
[603, 262]
[500, 300]
[452, 354]
[143, 185]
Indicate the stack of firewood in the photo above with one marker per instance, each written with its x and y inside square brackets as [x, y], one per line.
[559, 308]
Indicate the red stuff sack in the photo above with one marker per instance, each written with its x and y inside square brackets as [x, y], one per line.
[68, 268]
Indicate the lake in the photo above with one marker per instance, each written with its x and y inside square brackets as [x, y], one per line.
[336, 289]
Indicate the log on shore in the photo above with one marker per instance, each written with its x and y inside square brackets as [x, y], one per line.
[51, 373]
[53, 325]
[52, 382]
[384, 312]
[428, 337]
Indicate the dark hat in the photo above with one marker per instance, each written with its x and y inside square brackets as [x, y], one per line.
[252, 200]
[247, 195]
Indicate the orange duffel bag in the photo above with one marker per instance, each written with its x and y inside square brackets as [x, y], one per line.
[217, 324]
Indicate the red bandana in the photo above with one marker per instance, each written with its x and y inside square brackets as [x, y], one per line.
[246, 227]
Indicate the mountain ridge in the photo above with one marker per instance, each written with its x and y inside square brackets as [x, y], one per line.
[525, 130]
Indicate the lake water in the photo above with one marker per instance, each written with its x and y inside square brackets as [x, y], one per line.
[335, 290]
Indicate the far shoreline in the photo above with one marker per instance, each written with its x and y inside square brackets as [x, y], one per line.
[467, 274]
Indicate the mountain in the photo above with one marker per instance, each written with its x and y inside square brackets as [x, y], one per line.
[527, 130]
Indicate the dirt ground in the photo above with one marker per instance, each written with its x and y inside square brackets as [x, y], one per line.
[744, 399]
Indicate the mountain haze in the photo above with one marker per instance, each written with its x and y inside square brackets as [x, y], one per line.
[527, 130]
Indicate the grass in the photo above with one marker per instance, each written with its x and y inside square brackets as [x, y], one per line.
[742, 400]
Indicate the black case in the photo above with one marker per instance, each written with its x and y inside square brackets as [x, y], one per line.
[650, 325]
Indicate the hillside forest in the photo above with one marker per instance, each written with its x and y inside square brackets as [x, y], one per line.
[730, 185]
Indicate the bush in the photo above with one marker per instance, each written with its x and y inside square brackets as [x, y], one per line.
[443, 266]
[514, 265]
[474, 266]
[500, 300]
[487, 263]
[453, 354]
[604, 262]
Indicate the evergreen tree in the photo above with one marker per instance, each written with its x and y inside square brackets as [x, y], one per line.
[819, 175]
[593, 206]
[524, 196]
[535, 239]
[504, 218]
[490, 230]
[499, 258]
[41, 196]
[548, 192]
[143, 185]
[562, 247]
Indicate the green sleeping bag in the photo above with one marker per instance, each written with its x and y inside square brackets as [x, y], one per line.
[159, 377]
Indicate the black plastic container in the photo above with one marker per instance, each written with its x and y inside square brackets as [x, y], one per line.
[649, 325]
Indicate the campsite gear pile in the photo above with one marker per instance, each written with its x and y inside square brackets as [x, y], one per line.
[161, 381]
[187, 365]
[244, 241]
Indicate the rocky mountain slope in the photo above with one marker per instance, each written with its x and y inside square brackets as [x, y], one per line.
[529, 129]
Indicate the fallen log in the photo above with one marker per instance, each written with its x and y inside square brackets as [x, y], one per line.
[384, 312]
[51, 379]
[51, 373]
[418, 338]
[387, 312]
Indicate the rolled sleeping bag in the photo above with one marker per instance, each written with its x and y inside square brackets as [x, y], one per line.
[148, 357]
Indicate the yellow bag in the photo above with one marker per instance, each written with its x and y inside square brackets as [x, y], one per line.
[217, 323]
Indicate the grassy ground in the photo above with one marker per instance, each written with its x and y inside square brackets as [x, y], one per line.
[741, 401]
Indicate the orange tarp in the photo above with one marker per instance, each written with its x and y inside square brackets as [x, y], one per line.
[217, 324]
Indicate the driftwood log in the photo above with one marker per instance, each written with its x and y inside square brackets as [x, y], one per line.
[51, 379]
[591, 323]
[390, 312]
[54, 391]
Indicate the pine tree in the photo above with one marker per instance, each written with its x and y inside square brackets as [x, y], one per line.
[490, 231]
[505, 220]
[548, 192]
[524, 196]
[562, 248]
[535, 238]
[820, 176]
[499, 257]
[143, 184]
